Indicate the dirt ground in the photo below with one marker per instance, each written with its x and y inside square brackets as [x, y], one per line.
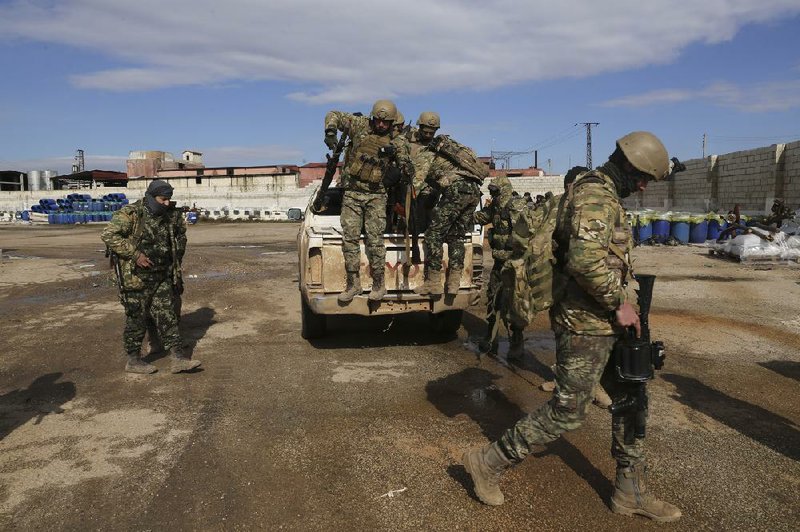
[279, 433]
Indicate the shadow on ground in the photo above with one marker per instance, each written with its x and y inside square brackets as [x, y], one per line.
[44, 396]
[759, 424]
[351, 331]
[472, 392]
[787, 368]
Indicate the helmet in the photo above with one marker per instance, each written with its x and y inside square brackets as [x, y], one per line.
[399, 119]
[646, 153]
[430, 119]
[384, 110]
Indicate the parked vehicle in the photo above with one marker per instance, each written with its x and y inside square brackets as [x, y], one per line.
[322, 275]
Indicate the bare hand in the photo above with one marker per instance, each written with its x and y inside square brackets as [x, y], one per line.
[627, 317]
[142, 261]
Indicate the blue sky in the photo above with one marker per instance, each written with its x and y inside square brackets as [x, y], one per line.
[248, 82]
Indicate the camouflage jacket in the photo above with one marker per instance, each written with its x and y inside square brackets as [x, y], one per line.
[503, 213]
[415, 149]
[437, 171]
[592, 241]
[362, 169]
[132, 231]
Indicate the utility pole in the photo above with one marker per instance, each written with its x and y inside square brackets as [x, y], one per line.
[588, 126]
[704, 145]
[549, 166]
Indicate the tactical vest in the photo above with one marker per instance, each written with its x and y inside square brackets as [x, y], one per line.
[365, 164]
[461, 156]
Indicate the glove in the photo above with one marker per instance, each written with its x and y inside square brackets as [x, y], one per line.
[391, 176]
[330, 139]
[388, 151]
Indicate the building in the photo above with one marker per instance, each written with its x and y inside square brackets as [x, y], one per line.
[148, 163]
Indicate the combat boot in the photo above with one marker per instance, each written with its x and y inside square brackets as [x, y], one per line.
[453, 282]
[136, 365]
[181, 361]
[632, 498]
[353, 288]
[517, 348]
[378, 289]
[485, 465]
[601, 398]
[432, 285]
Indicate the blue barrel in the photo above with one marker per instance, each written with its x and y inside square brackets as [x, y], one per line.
[51, 218]
[661, 230]
[698, 232]
[680, 231]
[645, 231]
[715, 227]
[191, 217]
[26, 215]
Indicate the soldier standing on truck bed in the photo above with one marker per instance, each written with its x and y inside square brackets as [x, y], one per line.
[367, 173]
[147, 240]
[428, 124]
[454, 171]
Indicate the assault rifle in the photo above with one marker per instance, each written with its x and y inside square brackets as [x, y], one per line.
[320, 203]
[636, 359]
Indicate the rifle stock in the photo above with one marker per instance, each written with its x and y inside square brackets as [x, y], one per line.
[330, 170]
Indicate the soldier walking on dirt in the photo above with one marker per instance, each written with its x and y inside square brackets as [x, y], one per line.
[502, 213]
[147, 240]
[375, 158]
[590, 311]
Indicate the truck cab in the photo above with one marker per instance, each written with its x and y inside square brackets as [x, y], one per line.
[322, 274]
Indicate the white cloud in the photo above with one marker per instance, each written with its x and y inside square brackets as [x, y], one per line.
[354, 51]
[760, 97]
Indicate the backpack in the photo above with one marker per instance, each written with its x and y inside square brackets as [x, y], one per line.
[527, 278]
[460, 155]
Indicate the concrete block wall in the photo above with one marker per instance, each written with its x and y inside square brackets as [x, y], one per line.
[751, 178]
[791, 174]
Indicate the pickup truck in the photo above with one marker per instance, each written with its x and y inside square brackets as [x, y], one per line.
[322, 275]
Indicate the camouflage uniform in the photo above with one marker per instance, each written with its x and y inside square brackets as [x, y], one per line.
[502, 213]
[148, 292]
[423, 191]
[453, 214]
[364, 203]
[590, 235]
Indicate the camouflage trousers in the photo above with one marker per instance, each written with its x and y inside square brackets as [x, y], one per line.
[451, 219]
[363, 209]
[155, 301]
[494, 305]
[581, 362]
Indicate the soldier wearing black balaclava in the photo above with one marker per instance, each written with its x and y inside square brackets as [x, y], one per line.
[147, 240]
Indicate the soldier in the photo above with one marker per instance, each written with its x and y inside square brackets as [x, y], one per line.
[502, 213]
[399, 124]
[454, 171]
[590, 310]
[428, 124]
[148, 240]
[367, 172]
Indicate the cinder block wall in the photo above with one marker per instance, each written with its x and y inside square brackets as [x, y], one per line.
[751, 178]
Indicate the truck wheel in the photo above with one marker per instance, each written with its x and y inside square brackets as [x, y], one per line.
[313, 325]
[447, 322]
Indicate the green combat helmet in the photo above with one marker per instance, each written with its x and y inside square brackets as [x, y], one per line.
[384, 110]
[646, 153]
[430, 119]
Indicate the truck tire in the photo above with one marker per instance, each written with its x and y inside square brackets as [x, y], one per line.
[313, 325]
[446, 323]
